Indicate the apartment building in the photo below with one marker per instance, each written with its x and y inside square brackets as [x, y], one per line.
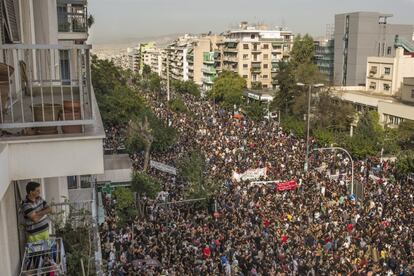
[50, 125]
[254, 52]
[142, 57]
[324, 57]
[153, 58]
[407, 91]
[133, 56]
[209, 70]
[385, 75]
[176, 56]
[360, 35]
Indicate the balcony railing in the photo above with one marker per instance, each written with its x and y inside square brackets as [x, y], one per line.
[44, 87]
[45, 257]
[72, 19]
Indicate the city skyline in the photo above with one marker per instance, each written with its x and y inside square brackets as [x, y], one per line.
[138, 19]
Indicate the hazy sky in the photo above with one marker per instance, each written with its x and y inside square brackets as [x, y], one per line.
[123, 20]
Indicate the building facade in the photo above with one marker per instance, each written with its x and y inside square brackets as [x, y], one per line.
[324, 58]
[50, 125]
[359, 35]
[254, 52]
[385, 75]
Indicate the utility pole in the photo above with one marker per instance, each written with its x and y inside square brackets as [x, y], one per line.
[168, 76]
[308, 119]
[307, 129]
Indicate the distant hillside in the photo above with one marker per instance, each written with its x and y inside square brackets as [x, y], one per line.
[130, 42]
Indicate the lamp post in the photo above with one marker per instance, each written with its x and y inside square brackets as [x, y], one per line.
[350, 157]
[308, 119]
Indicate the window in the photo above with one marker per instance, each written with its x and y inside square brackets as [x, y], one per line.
[252, 36]
[265, 66]
[265, 46]
[264, 76]
[373, 70]
[245, 65]
[245, 46]
[387, 70]
[72, 182]
[389, 50]
[264, 86]
[287, 37]
[245, 56]
[245, 76]
[412, 93]
[386, 87]
[372, 85]
[85, 181]
[265, 56]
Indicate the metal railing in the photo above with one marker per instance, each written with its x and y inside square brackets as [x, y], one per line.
[78, 214]
[46, 257]
[73, 19]
[45, 86]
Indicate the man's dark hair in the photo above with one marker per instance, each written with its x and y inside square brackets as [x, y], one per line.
[31, 186]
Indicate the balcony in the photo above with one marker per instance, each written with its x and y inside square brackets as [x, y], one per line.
[256, 68]
[49, 256]
[46, 89]
[72, 19]
[208, 80]
[209, 70]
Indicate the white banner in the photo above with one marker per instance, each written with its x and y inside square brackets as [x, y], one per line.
[162, 167]
[252, 174]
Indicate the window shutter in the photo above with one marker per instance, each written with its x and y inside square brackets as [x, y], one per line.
[12, 20]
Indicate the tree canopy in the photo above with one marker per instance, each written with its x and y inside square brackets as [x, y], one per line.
[228, 89]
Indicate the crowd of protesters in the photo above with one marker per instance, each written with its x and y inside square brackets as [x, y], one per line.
[316, 229]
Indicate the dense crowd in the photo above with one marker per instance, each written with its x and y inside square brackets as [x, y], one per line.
[315, 229]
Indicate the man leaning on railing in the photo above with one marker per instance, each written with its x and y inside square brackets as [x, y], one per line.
[35, 210]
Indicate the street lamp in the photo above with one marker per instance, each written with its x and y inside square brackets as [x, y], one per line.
[308, 118]
[350, 157]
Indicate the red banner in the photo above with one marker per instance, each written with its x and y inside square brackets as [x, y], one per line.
[286, 186]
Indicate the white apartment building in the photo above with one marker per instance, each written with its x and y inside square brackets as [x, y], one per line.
[385, 74]
[254, 52]
[153, 58]
[176, 57]
[50, 126]
[133, 59]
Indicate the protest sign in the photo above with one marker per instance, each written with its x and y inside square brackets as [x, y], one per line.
[286, 186]
[162, 167]
[251, 174]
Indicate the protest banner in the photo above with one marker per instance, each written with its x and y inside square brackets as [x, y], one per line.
[251, 174]
[162, 167]
[286, 186]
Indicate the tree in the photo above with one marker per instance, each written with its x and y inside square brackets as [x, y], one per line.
[140, 130]
[186, 87]
[254, 110]
[332, 113]
[368, 137]
[228, 89]
[177, 105]
[144, 184]
[146, 71]
[406, 134]
[303, 50]
[405, 163]
[124, 198]
[119, 105]
[192, 169]
[285, 98]
[154, 82]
